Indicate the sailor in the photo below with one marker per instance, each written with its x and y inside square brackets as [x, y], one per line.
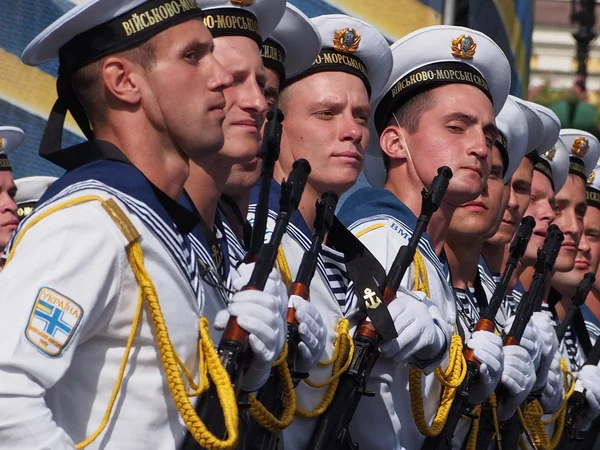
[10, 138]
[570, 208]
[588, 258]
[29, 192]
[327, 112]
[471, 224]
[291, 48]
[102, 323]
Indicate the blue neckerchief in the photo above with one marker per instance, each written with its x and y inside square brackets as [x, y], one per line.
[370, 202]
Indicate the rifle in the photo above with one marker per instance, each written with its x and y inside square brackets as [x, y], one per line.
[332, 430]
[531, 302]
[233, 348]
[460, 405]
[578, 405]
[269, 153]
[271, 394]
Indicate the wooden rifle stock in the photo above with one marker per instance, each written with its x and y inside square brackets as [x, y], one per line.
[332, 431]
[233, 346]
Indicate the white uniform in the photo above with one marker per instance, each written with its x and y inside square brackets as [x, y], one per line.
[327, 294]
[383, 224]
[69, 297]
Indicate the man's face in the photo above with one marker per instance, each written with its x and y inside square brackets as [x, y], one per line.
[326, 122]
[244, 176]
[481, 216]
[8, 208]
[570, 209]
[520, 191]
[588, 254]
[541, 208]
[457, 131]
[246, 106]
[185, 98]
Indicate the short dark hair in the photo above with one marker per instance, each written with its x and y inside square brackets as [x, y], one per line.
[88, 85]
[409, 116]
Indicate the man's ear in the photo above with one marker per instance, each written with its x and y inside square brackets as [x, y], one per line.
[121, 79]
[393, 142]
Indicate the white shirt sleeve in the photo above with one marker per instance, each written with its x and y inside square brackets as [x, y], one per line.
[61, 284]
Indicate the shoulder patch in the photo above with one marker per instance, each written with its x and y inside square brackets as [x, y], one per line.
[53, 321]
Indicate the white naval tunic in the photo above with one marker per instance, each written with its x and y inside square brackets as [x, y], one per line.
[385, 421]
[76, 261]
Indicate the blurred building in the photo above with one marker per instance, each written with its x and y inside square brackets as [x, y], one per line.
[553, 58]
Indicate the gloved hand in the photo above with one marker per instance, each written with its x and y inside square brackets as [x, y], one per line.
[548, 347]
[589, 379]
[274, 286]
[487, 348]
[530, 341]
[553, 393]
[261, 314]
[419, 336]
[312, 334]
[518, 377]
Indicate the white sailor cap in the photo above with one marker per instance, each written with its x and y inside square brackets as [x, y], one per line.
[10, 138]
[255, 19]
[584, 150]
[293, 45]
[444, 54]
[350, 45]
[551, 127]
[29, 191]
[97, 28]
[535, 126]
[513, 136]
[555, 165]
[592, 188]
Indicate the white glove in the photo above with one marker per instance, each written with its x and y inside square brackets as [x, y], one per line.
[518, 377]
[589, 377]
[549, 346]
[261, 314]
[312, 334]
[530, 341]
[553, 393]
[274, 285]
[419, 336]
[487, 349]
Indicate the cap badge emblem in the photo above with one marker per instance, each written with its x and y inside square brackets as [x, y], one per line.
[580, 147]
[242, 2]
[346, 40]
[463, 47]
[591, 178]
[550, 153]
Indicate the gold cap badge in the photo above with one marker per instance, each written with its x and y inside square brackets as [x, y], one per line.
[550, 153]
[463, 47]
[591, 178]
[242, 2]
[580, 147]
[1, 143]
[346, 40]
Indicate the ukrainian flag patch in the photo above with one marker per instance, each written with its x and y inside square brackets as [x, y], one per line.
[53, 320]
